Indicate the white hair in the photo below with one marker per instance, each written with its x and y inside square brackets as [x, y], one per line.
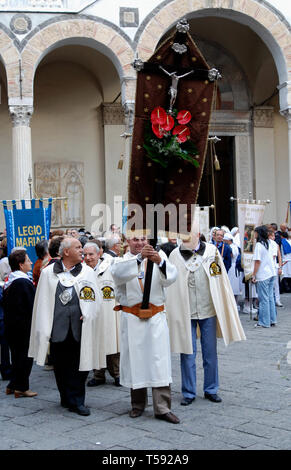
[110, 242]
[66, 243]
[17, 248]
[90, 245]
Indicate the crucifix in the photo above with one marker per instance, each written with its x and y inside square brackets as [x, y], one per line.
[174, 86]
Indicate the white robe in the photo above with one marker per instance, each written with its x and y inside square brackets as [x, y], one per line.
[178, 306]
[43, 315]
[233, 278]
[109, 321]
[145, 359]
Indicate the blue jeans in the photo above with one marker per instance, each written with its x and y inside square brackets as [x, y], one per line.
[267, 307]
[209, 356]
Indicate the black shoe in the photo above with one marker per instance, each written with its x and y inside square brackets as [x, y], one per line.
[117, 382]
[65, 404]
[80, 410]
[212, 397]
[187, 401]
[135, 413]
[95, 382]
[169, 417]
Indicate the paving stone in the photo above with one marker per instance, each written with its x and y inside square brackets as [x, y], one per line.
[255, 414]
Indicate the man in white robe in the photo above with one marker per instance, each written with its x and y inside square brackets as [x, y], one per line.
[109, 319]
[200, 302]
[65, 316]
[145, 359]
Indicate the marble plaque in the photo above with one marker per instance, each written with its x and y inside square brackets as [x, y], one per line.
[62, 180]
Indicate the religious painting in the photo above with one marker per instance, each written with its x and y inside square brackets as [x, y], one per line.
[249, 234]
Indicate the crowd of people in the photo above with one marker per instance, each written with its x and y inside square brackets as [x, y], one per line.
[260, 293]
[81, 310]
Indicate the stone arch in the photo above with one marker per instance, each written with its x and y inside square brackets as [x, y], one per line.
[263, 19]
[9, 56]
[79, 31]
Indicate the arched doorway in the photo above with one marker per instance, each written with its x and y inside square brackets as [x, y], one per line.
[71, 84]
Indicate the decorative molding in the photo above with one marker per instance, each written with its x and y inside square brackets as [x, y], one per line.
[20, 24]
[230, 123]
[128, 17]
[42, 6]
[113, 114]
[21, 115]
[264, 116]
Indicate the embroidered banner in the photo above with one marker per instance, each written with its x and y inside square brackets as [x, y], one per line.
[250, 216]
[27, 226]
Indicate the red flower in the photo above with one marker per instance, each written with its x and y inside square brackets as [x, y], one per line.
[158, 115]
[169, 123]
[183, 117]
[182, 133]
[158, 130]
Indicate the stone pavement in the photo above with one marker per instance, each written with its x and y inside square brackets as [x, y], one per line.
[255, 385]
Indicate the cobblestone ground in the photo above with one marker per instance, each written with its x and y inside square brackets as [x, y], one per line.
[255, 414]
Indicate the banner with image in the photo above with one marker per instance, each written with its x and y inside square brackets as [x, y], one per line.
[27, 226]
[250, 216]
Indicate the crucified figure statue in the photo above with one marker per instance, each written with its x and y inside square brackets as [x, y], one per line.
[174, 86]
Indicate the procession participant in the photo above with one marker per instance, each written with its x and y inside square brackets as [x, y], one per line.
[65, 315]
[18, 298]
[200, 302]
[233, 275]
[109, 319]
[113, 245]
[223, 248]
[145, 359]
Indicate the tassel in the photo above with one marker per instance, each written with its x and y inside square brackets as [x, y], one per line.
[120, 163]
[216, 163]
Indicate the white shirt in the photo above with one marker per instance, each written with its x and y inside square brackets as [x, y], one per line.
[266, 268]
[274, 251]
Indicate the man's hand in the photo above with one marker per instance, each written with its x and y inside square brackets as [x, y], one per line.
[149, 252]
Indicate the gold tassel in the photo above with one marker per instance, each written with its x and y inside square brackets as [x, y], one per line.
[120, 163]
[216, 163]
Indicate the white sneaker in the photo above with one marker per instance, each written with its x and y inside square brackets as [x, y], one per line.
[248, 310]
[278, 304]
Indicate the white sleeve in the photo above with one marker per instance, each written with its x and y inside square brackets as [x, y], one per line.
[124, 271]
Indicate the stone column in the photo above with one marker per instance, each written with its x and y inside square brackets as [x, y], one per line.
[265, 168]
[287, 114]
[114, 147]
[21, 150]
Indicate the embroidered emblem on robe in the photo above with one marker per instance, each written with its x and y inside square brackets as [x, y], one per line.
[87, 293]
[108, 293]
[214, 269]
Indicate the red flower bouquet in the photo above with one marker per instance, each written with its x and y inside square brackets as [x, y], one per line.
[167, 137]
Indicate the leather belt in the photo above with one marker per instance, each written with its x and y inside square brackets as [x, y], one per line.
[139, 312]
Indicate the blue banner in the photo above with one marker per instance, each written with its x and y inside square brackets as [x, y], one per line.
[27, 227]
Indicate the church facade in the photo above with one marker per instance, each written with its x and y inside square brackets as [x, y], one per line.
[68, 94]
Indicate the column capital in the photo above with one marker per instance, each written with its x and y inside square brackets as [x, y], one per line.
[21, 115]
[286, 113]
[264, 116]
[129, 110]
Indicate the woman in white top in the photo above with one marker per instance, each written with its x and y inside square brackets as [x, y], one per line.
[264, 274]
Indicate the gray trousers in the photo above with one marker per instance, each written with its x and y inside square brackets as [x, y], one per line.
[161, 399]
[112, 364]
